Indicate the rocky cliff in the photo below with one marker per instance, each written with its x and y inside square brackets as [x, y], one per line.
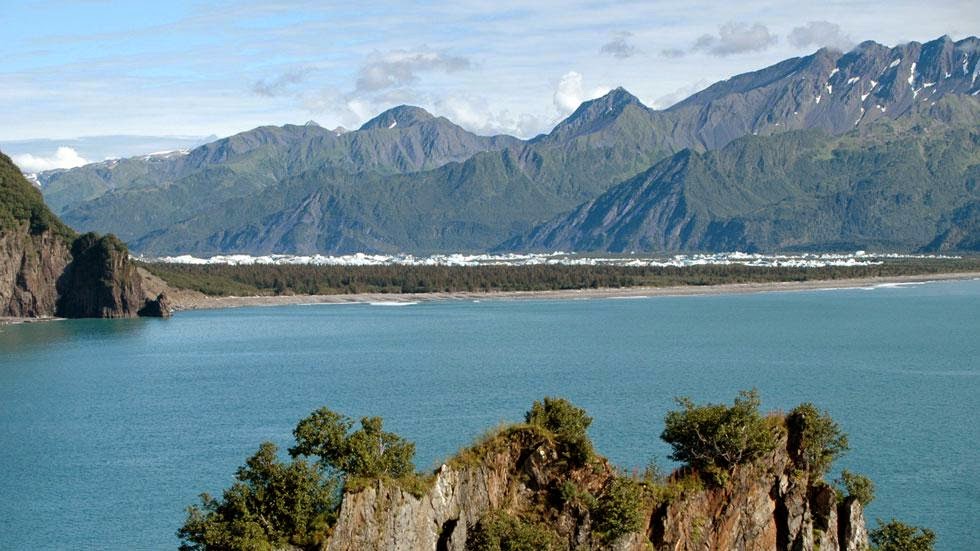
[30, 265]
[46, 269]
[771, 504]
[100, 281]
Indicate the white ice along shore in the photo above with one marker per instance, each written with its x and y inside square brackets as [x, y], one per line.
[808, 260]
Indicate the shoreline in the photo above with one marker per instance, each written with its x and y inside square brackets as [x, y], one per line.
[204, 302]
[184, 300]
[7, 320]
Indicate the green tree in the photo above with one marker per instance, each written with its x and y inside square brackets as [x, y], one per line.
[323, 434]
[498, 531]
[271, 505]
[898, 536]
[714, 438]
[859, 486]
[373, 452]
[367, 452]
[568, 423]
[819, 439]
[274, 504]
[21, 202]
[617, 512]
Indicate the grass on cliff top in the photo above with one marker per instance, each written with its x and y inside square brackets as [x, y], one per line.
[417, 484]
[226, 280]
[498, 439]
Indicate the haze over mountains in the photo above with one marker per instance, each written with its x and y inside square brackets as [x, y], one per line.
[876, 147]
[39, 155]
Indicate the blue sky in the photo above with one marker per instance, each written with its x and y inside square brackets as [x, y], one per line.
[197, 68]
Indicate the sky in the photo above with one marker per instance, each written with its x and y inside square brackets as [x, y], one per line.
[186, 68]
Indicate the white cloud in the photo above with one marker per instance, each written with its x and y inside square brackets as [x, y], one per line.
[568, 96]
[820, 33]
[384, 80]
[473, 112]
[362, 109]
[476, 115]
[621, 46]
[673, 53]
[682, 93]
[401, 67]
[281, 84]
[64, 157]
[570, 93]
[736, 38]
[206, 86]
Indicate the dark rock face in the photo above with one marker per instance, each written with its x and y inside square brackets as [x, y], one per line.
[46, 269]
[100, 281]
[30, 266]
[41, 277]
[159, 307]
[823, 501]
[853, 531]
[832, 90]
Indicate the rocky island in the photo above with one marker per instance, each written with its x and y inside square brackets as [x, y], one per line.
[746, 481]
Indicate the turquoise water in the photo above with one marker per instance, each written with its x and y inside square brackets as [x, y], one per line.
[110, 428]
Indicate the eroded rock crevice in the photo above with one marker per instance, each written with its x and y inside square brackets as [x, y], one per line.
[770, 505]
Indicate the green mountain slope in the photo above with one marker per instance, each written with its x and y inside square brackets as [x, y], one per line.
[410, 182]
[240, 167]
[21, 203]
[468, 205]
[896, 185]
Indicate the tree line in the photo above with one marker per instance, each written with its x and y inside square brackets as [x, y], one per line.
[269, 279]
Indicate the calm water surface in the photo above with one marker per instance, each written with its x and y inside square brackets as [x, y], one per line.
[109, 429]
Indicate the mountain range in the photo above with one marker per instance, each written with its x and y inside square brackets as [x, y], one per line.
[876, 147]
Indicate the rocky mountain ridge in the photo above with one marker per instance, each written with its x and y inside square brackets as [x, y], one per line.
[422, 142]
[407, 181]
[833, 91]
[889, 188]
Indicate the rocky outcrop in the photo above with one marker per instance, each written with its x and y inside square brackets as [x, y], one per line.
[508, 475]
[853, 530]
[30, 265]
[46, 269]
[100, 281]
[512, 473]
[159, 307]
[436, 520]
[41, 277]
[765, 507]
[771, 505]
